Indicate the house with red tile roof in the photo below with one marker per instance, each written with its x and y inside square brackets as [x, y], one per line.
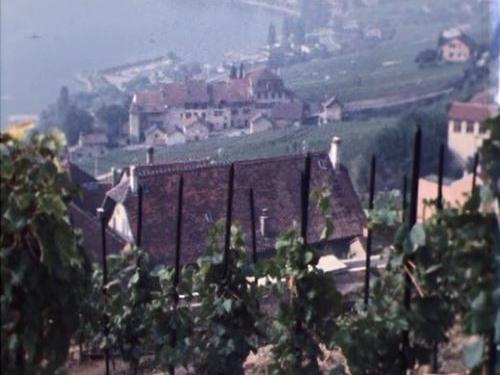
[82, 212]
[224, 104]
[455, 46]
[466, 131]
[276, 183]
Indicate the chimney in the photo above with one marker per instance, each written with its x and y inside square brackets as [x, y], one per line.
[134, 185]
[114, 176]
[150, 157]
[334, 153]
[264, 223]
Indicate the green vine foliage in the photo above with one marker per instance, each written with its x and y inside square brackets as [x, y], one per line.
[309, 302]
[227, 314]
[453, 263]
[128, 296]
[43, 267]
[172, 326]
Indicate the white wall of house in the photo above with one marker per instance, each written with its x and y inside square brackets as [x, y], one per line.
[465, 137]
[330, 114]
[260, 124]
[175, 138]
[455, 50]
[120, 223]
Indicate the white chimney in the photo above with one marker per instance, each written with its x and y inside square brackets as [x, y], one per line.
[150, 157]
[264, 223]
[134, 185]
[334, 153]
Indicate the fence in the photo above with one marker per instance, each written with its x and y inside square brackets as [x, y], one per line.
[409, 216]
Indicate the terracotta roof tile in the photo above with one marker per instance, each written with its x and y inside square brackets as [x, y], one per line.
[471, 111]
[276, 184]
[293, 111]
[91, 233]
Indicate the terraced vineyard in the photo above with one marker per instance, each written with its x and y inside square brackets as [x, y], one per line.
[388, 68]
[355, 135]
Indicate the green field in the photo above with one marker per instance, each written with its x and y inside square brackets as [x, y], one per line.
[388, 69]
[355, 136]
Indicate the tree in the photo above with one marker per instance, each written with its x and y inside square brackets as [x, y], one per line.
[63, 104]
[271, 35]
[43, 266]
[495, 42]
[77, 121]
[299, 33]
[113, 117]
[286, 30]
[233, 74]
[392, 147]
[426, 58]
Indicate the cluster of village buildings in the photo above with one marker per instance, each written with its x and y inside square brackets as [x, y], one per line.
[190, 111]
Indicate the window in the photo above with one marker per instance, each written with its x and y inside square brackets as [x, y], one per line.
[234, 111]
[457, 128]
[203, 115]
[188, 114]
[482, 129]
[469, 127]
[246, 111]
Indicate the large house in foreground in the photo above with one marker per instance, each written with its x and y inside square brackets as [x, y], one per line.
[277, 190]
[219, 105]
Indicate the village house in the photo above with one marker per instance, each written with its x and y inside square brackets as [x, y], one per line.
[455, 46]
[89, 146]
[155, 136]
[197, 130]
[331, 111]
[287, 114]
[466, 131]
[277, 191]
[260, 122]
[222, 104]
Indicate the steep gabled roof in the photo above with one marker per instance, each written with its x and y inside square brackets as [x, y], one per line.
[262, 74]
[92, 192]
[276, 184]
[456, 34]
[471, 111]
[91, 233]
[331, 101]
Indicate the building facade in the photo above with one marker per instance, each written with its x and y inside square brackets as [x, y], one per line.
[331, 111]
[223, 104]
[455, 46]
[466, 130]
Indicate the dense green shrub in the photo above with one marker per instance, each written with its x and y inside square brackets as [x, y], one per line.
[43, 267]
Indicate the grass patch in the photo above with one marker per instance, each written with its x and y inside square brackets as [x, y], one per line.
[355, 138]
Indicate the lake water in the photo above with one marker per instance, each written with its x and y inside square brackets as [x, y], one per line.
[45, 43]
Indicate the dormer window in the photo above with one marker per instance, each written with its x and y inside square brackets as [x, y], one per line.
[209, 217]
